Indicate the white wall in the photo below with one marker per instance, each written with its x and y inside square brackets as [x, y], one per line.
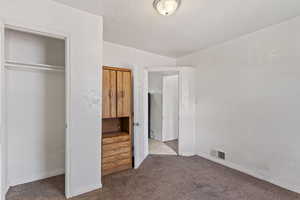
[35, 125]
[248, 102]
[3, 146]
[155, 89]
[85, 31]
[155, 82]
[170, 111]
[122, 56]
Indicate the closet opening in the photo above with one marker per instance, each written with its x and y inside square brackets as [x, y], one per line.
[35, 108]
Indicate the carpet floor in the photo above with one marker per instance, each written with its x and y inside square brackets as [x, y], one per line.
[164, 178]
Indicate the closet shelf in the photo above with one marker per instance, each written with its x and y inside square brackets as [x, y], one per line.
[33, 66]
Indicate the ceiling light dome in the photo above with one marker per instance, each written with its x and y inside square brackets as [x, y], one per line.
[166, 7]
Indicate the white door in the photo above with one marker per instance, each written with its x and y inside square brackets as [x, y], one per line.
[170, 111]
[140, 100]
[2, 161]
[67, 118]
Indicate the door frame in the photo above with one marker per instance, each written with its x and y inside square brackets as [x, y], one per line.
[187, 102]
[31, 28]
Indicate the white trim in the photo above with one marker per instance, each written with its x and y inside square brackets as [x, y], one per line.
[251, 172]
[35, 177]
[34, 30]
[4, 186]
[5, 190]
[146, 91]
[83, 190]
[67, 115]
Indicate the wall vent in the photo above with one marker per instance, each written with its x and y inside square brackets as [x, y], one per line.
[221, 155]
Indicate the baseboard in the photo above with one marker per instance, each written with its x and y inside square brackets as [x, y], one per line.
[253, 173]
[84, 190]
[35, 177]
[186, 153]
[3, 197]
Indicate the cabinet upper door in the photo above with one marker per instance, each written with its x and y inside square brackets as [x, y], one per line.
[113, 96]
[119, 93]
[123, 94]
[109, 94]
[127, 94]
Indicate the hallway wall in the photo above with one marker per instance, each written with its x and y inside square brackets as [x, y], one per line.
[156, 106]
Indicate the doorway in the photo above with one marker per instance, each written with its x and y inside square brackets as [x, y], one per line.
[186, 121]
[163, 120]
[34, 106]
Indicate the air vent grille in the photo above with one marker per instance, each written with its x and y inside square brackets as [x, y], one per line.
[221, 155]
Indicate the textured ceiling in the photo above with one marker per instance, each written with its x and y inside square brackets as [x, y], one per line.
[198, 24]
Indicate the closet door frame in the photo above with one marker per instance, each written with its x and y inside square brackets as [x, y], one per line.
[30, 28]
[3, 152]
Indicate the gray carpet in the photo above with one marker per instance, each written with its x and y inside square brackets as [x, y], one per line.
[165, 178]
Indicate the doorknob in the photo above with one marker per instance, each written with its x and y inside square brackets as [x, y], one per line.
[136, 124]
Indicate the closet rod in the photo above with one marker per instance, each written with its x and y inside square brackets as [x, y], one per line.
[12, 66]
[33, 64]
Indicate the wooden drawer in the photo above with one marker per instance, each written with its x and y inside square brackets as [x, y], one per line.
[117, 157]
[116, 169]
[107, 153]
[115, 164]
[124, 161]
[115, 139]
[113, 146]
[109, 165]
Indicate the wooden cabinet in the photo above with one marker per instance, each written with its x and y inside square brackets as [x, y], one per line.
[116, 153]
[116, 93]
[123, 94]
[109, 108]
[116, 120]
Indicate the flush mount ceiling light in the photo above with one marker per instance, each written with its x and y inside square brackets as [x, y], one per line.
[166, 7]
